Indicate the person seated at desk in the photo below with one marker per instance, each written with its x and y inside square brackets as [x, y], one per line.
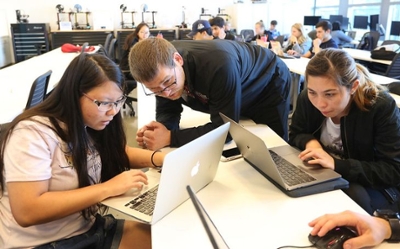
[209, 76]
[217, 26]
[371, 230]
[338, 35]
[261, 32]
[298, 42]
[61, 158]
[324, 39]
[141, 32]
[347, 123]
[273, 31]
[228, 28]
[201, 30]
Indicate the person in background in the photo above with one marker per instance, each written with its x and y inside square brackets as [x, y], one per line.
[228, 28]
[141, 32]
[299, 42]
[324, 39]
[260, 31]
[347, 123]
[201, 30]
[218, 31]
[338, 35]
[61, 158]
[237, 79]
[273, 32]
[371, 230]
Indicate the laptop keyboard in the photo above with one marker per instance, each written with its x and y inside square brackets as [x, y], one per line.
[145, 202]
[291, 174]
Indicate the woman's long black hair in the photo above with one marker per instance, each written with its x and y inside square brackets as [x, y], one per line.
[85, 72]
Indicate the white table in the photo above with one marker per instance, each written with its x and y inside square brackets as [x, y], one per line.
[249, 211]
[16, 80]
[364, 55]
[298, 66]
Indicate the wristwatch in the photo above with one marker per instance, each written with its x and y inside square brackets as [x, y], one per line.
[394, 221]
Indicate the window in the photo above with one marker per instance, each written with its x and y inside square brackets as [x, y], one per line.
[321, 3]
[364, 1]
[367, 11]
[325, 12]
[394, 15]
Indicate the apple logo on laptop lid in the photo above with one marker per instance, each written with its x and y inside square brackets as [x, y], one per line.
[195, 169]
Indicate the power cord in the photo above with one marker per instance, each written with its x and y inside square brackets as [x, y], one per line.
[310, 246]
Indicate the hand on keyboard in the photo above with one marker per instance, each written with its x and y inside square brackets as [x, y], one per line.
[319, 156]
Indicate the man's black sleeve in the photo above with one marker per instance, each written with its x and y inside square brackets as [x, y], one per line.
[168, 112]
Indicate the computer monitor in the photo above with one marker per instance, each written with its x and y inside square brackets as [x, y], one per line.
[395, 28]
[334, 18]
[360, 22]
[345, 23]
[311, 20]
[374, 22]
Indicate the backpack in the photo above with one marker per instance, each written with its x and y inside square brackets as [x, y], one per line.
[386, 52]
[366, 43]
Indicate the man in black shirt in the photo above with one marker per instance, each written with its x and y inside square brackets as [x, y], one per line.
[209, 76]
[323, 40]
[218, 30]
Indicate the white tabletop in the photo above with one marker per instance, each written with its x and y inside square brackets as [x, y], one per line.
[248, 210]
[364, 55]
[16, 80]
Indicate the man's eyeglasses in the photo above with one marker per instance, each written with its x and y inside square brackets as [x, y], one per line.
[105, 106]
[160, 92]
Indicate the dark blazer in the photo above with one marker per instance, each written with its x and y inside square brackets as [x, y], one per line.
[371, 140]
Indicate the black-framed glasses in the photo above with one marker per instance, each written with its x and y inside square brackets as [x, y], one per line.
[160, 91]
[105, 106]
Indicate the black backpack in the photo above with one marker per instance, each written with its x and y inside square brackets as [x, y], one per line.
[366, 43]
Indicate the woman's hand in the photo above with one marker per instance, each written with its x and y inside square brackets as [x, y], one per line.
[121, 183]
[318, 156]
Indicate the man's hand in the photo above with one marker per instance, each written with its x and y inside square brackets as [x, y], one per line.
[153, 136]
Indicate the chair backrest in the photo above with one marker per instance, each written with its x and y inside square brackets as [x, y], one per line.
[388, 42]
[111, 49]
[280, 38]
[247, 34]
[375, 38]
[393, 70]
[107, 41]
[38, 90]
[394, 87]
[366, 42]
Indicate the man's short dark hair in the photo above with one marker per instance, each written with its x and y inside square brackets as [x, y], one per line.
[325, 25]
[274, 22]
[217, 21]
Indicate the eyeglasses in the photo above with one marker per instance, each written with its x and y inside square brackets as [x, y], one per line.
[158, 93]
[105, 106]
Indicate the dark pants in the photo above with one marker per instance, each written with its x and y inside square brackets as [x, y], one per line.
[370, 199]
[273, 105]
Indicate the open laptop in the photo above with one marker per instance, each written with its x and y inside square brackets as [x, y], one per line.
[193, 164]
[276, 47]
[281, 164]
[352, 34]
[213, 234]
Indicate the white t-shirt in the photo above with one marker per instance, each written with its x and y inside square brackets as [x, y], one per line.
[331, 138]
[35, 153]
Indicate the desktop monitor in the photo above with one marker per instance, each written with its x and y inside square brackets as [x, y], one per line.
[311, 20]
[334, 18]
[374, 22]
[395, 28]
[360, 22]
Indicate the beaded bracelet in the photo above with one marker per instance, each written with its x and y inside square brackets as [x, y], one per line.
[152, 159]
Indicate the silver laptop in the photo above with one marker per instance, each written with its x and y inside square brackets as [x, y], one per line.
[213, 234]
[278, 50]
[193, 164]
[281, 164]
[352, 34]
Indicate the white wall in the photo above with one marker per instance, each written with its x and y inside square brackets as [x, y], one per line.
[169, 12]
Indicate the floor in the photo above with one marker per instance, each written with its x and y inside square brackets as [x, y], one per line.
[130, 123]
